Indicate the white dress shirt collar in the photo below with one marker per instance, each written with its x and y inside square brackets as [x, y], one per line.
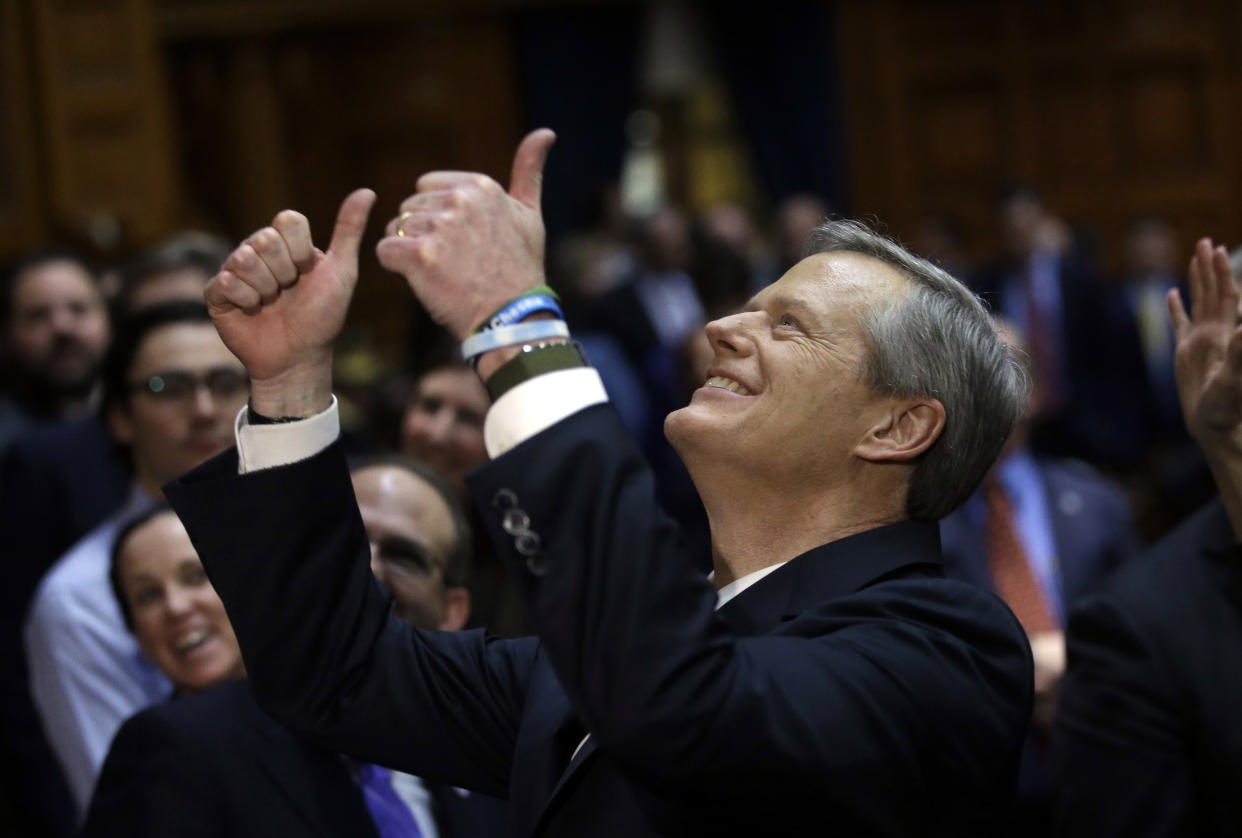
[740, 584]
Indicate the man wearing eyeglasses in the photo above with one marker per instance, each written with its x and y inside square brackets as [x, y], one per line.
[420, 542]
[172, 391]
[421, 550]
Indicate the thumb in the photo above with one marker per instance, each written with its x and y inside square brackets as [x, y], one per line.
[526, 180]
[351, 223]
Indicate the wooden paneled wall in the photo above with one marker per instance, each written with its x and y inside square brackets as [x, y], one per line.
[1112, 109]
[300, 119]
[122, 121]
[21, 211]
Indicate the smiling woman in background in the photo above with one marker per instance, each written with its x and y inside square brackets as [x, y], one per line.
[171, 607]
[210, 762]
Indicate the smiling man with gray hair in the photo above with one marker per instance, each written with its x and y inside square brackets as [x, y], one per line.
[825, 674]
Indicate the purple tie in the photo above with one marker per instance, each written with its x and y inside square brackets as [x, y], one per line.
[393, 819]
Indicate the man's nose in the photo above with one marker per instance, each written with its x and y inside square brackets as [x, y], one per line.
[64, 321]
[732, 334]
[204, 402]
[377, 566]
[440, 423]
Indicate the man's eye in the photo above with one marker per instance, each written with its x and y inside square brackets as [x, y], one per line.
[37, 315]
[788, 320]
[470, 419]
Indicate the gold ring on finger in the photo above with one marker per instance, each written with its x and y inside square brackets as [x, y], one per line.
[401, 220]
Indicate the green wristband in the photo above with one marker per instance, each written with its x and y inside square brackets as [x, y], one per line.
[533, 360]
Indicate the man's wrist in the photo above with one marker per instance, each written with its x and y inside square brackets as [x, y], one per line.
[297, 393]
[487, 363]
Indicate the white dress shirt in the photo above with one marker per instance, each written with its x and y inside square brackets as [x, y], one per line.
[86, 673]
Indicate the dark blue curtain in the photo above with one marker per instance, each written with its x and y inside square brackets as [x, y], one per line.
[779, 60]
[578, 69]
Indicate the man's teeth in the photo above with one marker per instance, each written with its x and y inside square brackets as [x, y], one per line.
[727, 384]
[190, 640]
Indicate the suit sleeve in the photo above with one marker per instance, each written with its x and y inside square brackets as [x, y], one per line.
[154, 784]
[1120, 761]
[286, 550]
[668, 688]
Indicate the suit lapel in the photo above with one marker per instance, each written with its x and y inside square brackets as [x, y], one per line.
[545, 744]
[580, 758]
[1073, 557]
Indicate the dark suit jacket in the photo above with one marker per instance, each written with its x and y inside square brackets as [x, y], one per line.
[1148, 741]
[214, 764]
[57, 482]
[853, 689]
[1091, 531]
[1092, 534]
[1069, 430]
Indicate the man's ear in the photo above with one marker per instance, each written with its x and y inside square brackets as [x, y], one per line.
[120, 423]
[456, 609]
[907, 430]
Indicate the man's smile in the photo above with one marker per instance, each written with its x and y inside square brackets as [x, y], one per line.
[727, 384]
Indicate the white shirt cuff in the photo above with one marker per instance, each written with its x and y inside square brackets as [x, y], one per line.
[269, 446]
[538, 404]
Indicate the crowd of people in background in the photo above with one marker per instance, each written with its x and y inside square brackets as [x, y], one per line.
[115, 382]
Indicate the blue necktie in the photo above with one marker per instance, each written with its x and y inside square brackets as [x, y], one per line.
[393, 819]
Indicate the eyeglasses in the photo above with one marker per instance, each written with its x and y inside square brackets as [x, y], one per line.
[408, 556]
[221, 382]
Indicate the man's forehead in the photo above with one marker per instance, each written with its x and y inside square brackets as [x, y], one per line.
[399, 488]
[52, 274]
[190, 346]
[824, 279]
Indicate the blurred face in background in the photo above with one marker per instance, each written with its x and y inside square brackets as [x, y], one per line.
[443, 423]
[184, 283]
[178, 619]
[185, 391]
[58, 326]
[412, 536]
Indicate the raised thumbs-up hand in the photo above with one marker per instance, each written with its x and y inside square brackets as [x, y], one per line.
[465, 245]
[279, 302]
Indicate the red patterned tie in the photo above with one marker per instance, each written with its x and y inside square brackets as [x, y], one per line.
[1009, 565]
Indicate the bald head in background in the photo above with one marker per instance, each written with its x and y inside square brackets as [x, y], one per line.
[420, 544]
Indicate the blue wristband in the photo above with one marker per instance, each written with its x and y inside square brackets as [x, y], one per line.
[522, 307]
[476, 345]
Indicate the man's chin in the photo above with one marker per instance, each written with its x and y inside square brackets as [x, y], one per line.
[687, 428]
[71, 380]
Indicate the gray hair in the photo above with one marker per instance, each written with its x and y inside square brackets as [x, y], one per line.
[938, 341]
